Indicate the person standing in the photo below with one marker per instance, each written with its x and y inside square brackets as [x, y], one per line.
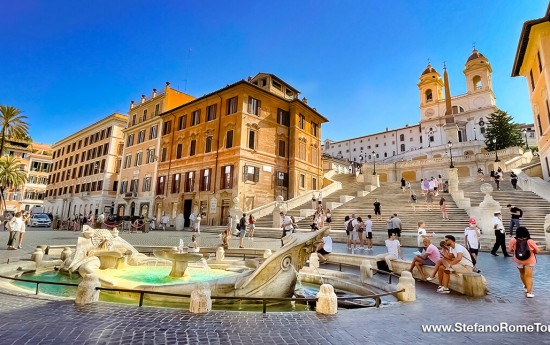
[242, 230]
[443, 208]
[516, 213]
[514, 180]
[360, 228]
[286, 225]
[413, 200]
[403, 184]
[377, 209]
[421, 235]
[14, 226]
[24, 219]
[368, 232]
[500, 238]
[251, 226]
[471, 240]
[397, 226]
[192, 220]
[429, 199]
[389, 225]
[498, 176]
[329, 217]
[320, 199]
[164, 221]
[198, 224]
[524, 249]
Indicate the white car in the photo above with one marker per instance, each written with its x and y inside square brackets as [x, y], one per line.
[40, 219]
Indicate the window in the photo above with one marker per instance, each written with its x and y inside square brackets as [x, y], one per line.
[157, 109]
[179, 151]
[141, 136]
[401, 137]
[163, 155]
[167, 127]
[139, 157]
[252, 139]
[283, 117]
[302, 150]
[182, 122]
[150, 156]
[196, 117]
[144, 115]
[302, 181]
[229, 139]
[532, 80]
[146, 184]
[127, 161]
[189, 181]
[227, 177]
[402, 147]
[251, 173]
[282, 179]
[313, 183]
[176, 179]
[314, 156]
[192, 147]
[302, 122]
[282, 148]
[540, 124]
[130, 140]
[205, 180]
[161, 183]
[254, 106]
[208, 145]
[134, 186]
[123, 187]
[314, 129]
[211, 112]
[153, 132]
[539, 62]
[232, 104]
[79, 144]
[133, 119]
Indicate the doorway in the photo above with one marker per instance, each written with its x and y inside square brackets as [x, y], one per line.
[187, 206]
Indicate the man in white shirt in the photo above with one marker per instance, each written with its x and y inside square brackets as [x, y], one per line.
[286, 224]
[394, 250]
[368, 231]
[500, 237]
[324, 248]
[163, 221]
[458, 260]
[192, 220]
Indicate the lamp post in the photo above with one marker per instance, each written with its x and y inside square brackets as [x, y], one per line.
[496, 150]
[525, 134]
[374, 163]
[475, 134]
[451, 153]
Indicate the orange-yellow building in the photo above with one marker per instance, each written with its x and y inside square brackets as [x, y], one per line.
[253, 139]
[532, 56]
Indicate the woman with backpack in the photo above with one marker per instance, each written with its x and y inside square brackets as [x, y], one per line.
[524, 249]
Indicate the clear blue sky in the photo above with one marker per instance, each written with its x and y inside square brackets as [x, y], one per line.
[66, 64]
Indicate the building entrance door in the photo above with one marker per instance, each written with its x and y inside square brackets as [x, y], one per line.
[187, 206]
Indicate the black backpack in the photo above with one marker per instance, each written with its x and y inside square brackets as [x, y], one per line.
[350, 225]
[522, 251]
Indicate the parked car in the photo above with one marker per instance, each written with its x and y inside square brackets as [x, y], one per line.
[39, 219]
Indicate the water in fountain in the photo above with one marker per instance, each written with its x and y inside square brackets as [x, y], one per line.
[298, 279]
[320, 275]
[180, 247]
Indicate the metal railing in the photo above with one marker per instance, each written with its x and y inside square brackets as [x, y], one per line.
[265, 300]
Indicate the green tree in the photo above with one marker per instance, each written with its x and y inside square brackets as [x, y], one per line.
[11, 175]
[14, 125]
[501, 131]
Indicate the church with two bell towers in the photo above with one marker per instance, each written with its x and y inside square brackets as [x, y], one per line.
[449, 125]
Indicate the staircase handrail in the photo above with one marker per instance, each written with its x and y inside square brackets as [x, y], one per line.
[533, 184]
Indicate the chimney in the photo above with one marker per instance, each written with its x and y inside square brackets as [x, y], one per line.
[132, 105]
[154, 93]
[142, 99]
[304, 100]
[167, 84]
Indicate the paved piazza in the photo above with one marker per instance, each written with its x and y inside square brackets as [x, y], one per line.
[30, 319]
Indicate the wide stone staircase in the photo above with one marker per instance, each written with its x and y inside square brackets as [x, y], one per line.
[534, 207]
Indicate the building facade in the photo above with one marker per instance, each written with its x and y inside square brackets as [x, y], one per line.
[530, 62]
[138, 173]
[461, 122]
[253, 139]
[85, 168]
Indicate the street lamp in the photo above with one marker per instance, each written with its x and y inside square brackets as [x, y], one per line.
[475, 134]
[496, 150]
[374, 165]
[525, 134]
[451, 153]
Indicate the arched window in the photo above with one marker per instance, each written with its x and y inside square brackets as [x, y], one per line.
[401, 137]
[429, 95]
[477, 82]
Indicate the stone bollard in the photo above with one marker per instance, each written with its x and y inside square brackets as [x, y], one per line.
[201, 301]
[86, 292]
[37, 256]
[66, 253]
[220, 254]
[327, 302]
[406, 283]
[366, 270]
[314, 260]
[267, 253]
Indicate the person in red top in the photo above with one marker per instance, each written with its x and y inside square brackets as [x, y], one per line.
[526, 266]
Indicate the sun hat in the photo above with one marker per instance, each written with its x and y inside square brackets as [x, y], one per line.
[473, 221]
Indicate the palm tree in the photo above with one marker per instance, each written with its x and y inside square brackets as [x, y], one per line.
[11, 175]
[13, 124]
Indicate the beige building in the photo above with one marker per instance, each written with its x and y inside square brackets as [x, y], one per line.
[138, 172]
[532, 54]
[35, 160]
[85, 168]
[253, 139]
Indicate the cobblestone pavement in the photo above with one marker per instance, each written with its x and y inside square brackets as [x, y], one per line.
[30, 319]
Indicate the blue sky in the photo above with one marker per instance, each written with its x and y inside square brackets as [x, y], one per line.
[67, 64]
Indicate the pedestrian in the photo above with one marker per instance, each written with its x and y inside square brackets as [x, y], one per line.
[226, 235]
[242, 230]
[397, 226]
[91, 219]
[413, 200]
[443, 208]
[524, 249]
[516, 214]
[320, 199]
[497, 178]
[329, 217]
[251, 226]
[403, 184]
[425, 186]
[164, 221]
[421, 235]
[471, 240]
[14, 226]
[360, 229]
[353, 233]
[514, 180]
[480, 174]
[346, 223]
[377, 209]
[458, 260]
[500, 238]
[286, 225]
[198, 223]
[429, 199]
[389, 225]
[368, 232]
[192, 220]
[24, 218]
